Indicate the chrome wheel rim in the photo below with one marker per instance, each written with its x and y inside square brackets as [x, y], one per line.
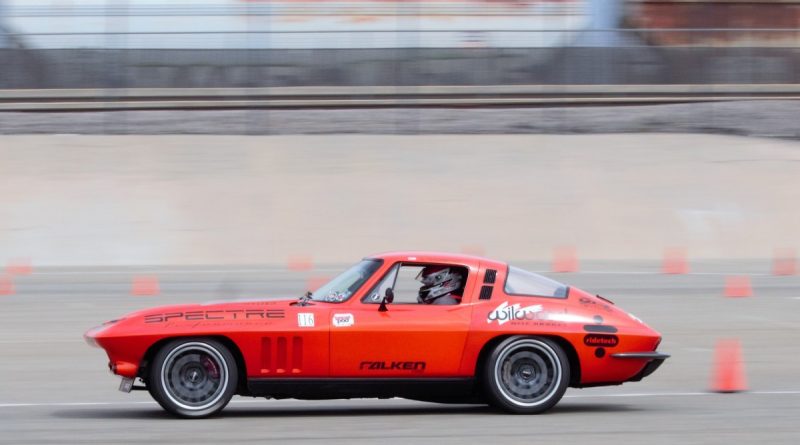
[528, 373]
[194, 376]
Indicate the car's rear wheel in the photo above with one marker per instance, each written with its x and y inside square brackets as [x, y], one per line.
[193, 377]
[526, 375]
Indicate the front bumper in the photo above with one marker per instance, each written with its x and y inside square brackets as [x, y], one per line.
[119, 364]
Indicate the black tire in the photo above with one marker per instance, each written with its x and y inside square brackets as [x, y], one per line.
[526, 375]
[193, 377]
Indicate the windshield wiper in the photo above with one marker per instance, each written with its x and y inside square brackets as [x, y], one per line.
[305, 300]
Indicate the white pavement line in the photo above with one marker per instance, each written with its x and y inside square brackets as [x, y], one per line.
[259, 400]
[317, 270]
[623, 272]
[776, 392]
[652, 394]
[25, 405]
[56, 404]
[44, 340]
[177, 271]
[678, 394]
[152, 271]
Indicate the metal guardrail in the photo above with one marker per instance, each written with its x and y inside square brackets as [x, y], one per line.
[384, 97]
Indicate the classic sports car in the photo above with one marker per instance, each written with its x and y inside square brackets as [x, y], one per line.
[425, 326]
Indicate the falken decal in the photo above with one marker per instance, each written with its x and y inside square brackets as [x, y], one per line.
[343, 320]
[505, 313]
[393, 366]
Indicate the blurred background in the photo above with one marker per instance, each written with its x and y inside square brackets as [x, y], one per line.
[461, 125]
[156, 152]
[239, 44]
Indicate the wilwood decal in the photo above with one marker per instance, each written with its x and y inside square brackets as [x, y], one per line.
[515, 312]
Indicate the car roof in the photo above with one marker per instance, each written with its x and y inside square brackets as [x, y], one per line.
[437, 257]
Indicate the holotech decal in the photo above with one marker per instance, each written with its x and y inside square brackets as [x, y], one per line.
[393, 366]
[343, 320]
[230, 314]
[305, 320]
[608, 341]
[505, 313]
[592, 303]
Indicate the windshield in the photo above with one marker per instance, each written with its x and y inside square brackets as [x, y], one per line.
[522, 282]
[345, 285]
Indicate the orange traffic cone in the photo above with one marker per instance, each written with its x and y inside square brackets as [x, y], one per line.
[565, 259]
[675, 262]
[145, 286]
[19, 267]
[738, 286]
[728, 367]
[6, 285]
[784, 262]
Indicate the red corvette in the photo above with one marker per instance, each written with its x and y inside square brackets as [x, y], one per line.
[419, 325]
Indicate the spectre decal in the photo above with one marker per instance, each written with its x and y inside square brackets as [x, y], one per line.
[237, 314]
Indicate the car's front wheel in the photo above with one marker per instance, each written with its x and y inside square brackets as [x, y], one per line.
[526, 375]
[193, 377]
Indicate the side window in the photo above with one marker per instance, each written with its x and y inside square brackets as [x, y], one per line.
[377, 293]
[444, 284]
[522, 282]
[407, 288]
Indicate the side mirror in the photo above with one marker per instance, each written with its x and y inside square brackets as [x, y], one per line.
[388, 298]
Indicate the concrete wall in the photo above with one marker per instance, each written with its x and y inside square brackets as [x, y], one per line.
[128, 200]
[478, 66]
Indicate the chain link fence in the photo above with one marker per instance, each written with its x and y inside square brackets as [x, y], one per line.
[694, 61]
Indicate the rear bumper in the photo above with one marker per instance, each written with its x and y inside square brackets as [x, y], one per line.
[654, 360]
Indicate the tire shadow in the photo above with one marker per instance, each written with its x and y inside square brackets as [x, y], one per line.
[243, 411]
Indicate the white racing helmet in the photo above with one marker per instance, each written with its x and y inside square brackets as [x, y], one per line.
[437, 281]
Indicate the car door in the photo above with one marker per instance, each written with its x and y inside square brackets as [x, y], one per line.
[407, 340]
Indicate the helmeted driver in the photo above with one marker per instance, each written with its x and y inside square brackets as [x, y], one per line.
[440, 285]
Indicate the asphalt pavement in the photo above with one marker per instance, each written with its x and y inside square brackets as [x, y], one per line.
[56, 389]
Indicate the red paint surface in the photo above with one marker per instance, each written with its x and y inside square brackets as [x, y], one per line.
[448, 339]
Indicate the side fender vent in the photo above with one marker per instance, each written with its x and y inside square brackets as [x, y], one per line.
[490, 276]
[281, 355]
[486, 293]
